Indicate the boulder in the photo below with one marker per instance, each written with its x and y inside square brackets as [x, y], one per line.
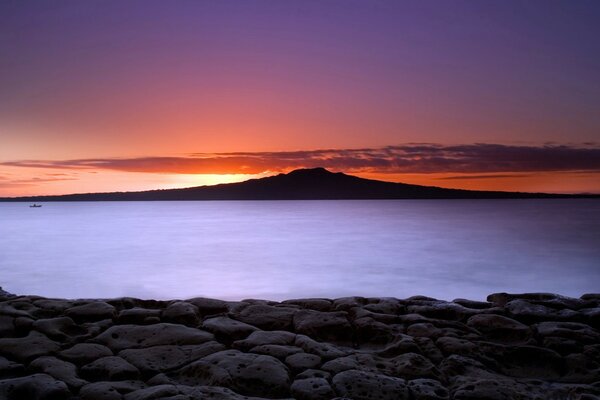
[34, 387]
[61, 370]
[92, 311]
[139, 316]
[181, 312]
[327, 326]
[301, 361]
[312, 389]
[84, 353]
[497, 327]
[110, 368]
[60, 328]
[26, 348]
[121, 337]
[267, 317]
[259, 338]
[360, 385]
[227, 329]
[427, 389]
[109, 390]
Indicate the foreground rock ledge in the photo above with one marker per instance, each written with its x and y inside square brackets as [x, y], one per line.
[515, 346]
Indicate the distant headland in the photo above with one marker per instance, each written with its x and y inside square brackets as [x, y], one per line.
[300, 184]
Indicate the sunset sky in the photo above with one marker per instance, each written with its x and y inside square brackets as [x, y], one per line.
[132, 95]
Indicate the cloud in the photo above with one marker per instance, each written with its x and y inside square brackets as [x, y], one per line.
[424, 158]
[485, 176]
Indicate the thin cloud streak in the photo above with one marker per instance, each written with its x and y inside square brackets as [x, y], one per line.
[423, 158]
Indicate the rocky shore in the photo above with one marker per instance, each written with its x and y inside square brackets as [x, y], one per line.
[514, 346]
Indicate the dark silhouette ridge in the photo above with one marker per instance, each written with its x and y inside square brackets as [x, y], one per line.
[301, 184]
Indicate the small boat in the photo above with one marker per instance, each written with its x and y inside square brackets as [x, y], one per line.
[35, 205]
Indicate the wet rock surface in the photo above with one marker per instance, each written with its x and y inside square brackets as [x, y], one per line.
[512, 346]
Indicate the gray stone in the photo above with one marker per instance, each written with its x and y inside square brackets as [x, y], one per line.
[153, 393]
[324, 350]
[329, 326]
[497, 327]
[301, 361]
[7, 326]
[360, 385]
[312, 304]
[209, 306]
[181, 312]
[259, 338]
[10, 369]
[93, 311]
[109, 368]
[61, 370]
[84, 353]
[312, 389]
[228, 329]
[138, 315]
[155, 359]
[276, 350]
[34, 387]
[428, 389]
[121, 337]
[60, 328]
[200, 373]
[253, 374]
[267, 317]
[24, 349]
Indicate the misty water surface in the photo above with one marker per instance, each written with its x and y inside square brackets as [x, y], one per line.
[290, 249]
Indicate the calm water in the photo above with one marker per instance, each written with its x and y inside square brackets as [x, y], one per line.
[290, 249]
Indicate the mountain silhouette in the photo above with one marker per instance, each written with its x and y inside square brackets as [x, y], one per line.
[301, 184]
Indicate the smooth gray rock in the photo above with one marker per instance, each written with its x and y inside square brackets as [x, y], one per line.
[84, 353]
[312, 389]
[181, 312]
[60, 328]
[26, 348]
[329, 326]
[360, 385]
[34, 387]
[497, 327]
[10, 369]
[301, 361]
[92, 311]
[252, 374]
[209, 306]
[276, 350]
[259, 338]
[427, 389]
[267, 317]
[121, 337]
[61, 370]
[138, 315]
[110, 368]
[227, 329]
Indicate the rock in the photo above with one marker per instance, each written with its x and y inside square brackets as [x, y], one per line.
[34, 387]
[109, 390]
[255, 375]
[153, 393]
[384, 305]
[427, 389]
[209, 306]
[581, 333]
[60, 328]
[24, 349]
[93, 311]
[61, 370]
[527, 312]
[123, 337]
[531, 362]
[84, 353]
[7, 326]
[324, 350]
[369, 331]
[424, 329]
[259, 338]
[347, 303]
[411, 365]
[53, 307]
[109, 368]
[311, 304]
[276, 350]
[314, 373]
[476, 305]
[4, 295]
[312, 389]
[497, 327]
[227, 329]
[359, 385]
[152, 360]
[443, 310]
[400, 345]
[200, 373]
[138, 316]
[181, 312]
[551, 300]
[10, 369]
[329, 326]
[267, 317]
[301, 361]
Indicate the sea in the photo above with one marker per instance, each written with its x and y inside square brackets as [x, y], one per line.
[280, 250]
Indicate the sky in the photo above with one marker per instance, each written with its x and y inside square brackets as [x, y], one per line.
[142, 94]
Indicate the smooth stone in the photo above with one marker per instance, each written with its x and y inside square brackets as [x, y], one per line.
[227, 329]
[93, 311]
[155, 359]
[329, 326]
[497, 327]
[153, 393]
[60, 328]
[301, 361]
[324, 350]
[527, 312]
[424, 329]
[311, 304]
[26, 348]
[581, 333]
[84, 353]
[252, 374]
[267, 317]
[209, 306]
[7, 326]
[138, 315]
[121, 337]
[110, 368]
[427, 389]
[360, 385]
[199, 373]
[181, 312]
[312, 389]
[259, 338]
[314, 373]
[10, 369]
[61, 370]
[34, 387]
[109, 390]
[276, 350]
